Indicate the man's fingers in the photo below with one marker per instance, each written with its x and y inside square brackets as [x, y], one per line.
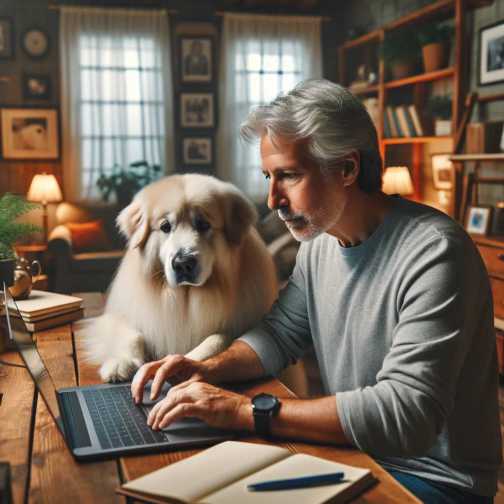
[180, 411]
[142, 376]
[170, 367]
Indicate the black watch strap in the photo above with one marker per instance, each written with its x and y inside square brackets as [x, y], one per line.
[264, 408]
[262, 423]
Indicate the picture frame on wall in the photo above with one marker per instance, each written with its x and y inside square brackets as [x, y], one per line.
[36, 87]
[197, 110]
[478, 220]
[197, 150]
[29, 133]
[442, 172]
[491, 54]
[6, 38]
[196, 59]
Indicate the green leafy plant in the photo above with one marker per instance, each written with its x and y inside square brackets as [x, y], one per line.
[440, 107]
[399, 46]
[124, 183]
[12, 207]
[435, 33]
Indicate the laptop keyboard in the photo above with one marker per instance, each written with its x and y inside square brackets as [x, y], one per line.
[117, 421]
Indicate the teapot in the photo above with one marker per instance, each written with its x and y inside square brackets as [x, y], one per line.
[23, 273]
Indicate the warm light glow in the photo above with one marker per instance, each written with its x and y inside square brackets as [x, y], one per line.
[44, 188]
[397, 180]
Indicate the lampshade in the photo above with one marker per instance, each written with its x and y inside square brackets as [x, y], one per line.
[44, 188]
[397, 180]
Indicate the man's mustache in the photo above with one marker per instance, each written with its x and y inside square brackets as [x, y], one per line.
[285, 215]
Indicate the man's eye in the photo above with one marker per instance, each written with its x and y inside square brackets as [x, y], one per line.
[201, 225]
[267, 176]
[165, 227]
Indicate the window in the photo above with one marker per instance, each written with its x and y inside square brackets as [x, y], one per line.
[116, 87]
[263, 57]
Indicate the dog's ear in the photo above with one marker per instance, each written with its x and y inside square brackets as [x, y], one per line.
[239, 215]
[134, 224]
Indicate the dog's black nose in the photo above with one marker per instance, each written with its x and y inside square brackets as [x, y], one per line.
[185, 266]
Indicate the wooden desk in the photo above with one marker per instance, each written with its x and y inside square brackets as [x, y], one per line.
[43, 470]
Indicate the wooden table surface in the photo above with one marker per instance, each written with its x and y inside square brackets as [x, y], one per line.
[43, 470]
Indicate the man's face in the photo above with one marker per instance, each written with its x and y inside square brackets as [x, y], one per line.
[309, 202]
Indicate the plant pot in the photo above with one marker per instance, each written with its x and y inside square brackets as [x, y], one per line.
[401, 69]
[442, 127]
[434, 56]
[7, 267]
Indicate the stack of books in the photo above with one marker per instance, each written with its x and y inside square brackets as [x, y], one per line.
[402, 121]
[43, 310]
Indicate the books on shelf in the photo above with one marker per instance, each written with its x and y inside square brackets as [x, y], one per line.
[221, 474]
[44, 309]
[416, 120]
[402, 121]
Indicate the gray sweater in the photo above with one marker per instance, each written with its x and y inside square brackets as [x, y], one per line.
[402, 327]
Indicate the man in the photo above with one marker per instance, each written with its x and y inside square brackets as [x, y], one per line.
[393, 296]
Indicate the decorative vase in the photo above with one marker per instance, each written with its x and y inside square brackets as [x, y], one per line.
[7, 271]
[434, 56]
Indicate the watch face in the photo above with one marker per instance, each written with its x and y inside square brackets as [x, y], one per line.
[264, 402]
[35, 42]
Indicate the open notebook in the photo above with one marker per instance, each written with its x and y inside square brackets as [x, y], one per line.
[220, 475]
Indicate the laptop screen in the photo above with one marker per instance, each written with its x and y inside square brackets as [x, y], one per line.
[31, 356]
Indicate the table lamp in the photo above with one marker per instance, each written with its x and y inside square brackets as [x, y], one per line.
[44, 189]
[397, 180]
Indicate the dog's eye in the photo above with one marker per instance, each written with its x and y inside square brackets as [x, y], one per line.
[165, 227]
[201, 225]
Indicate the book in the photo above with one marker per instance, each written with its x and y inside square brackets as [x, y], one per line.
[220, 475]
[416, 120]
[391, 121]
[409, 121]
[401, 117]
[42, 304]
[395, 118]
[48, 322]
[386, 126]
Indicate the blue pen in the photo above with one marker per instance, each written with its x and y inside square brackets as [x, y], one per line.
[302, 482]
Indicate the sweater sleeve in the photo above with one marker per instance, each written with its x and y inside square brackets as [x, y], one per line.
[284, 333]
[443, 296]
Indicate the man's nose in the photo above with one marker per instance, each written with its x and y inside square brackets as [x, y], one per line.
[275, 198]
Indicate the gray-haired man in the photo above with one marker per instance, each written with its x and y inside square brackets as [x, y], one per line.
[393, 296]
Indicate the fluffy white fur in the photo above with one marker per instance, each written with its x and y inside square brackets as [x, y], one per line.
[150, 312]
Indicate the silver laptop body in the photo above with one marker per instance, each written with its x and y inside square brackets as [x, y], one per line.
[102, 421]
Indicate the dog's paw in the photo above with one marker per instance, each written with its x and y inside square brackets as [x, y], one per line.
[118, 370]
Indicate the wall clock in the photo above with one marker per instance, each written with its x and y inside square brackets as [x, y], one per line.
[35, 43]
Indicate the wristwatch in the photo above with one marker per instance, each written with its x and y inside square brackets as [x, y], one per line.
[264, 407]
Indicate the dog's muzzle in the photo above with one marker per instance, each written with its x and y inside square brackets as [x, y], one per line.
[186, 267]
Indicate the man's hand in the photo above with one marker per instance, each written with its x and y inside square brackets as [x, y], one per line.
[175, 368]
[215, 406]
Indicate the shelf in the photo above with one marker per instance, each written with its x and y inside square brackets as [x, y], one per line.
[411, 140]
[365, 91]
[363, 39]
[498, 156]
[425, 77]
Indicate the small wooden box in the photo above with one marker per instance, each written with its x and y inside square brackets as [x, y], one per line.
[483, 137]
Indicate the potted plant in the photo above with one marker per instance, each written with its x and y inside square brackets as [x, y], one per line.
[440, 108]
[124, 183]
[12, 207]
[434, 40]
[400, 52]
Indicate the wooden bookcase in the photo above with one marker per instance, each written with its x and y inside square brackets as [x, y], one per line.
[415, 89]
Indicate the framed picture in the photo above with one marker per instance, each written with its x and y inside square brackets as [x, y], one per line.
[29, 134]
[36, 87]
[491, 54]
[442, 172]
[197, 150]
[6, 38]
[197, 110]
[196, 59]
[478, 220]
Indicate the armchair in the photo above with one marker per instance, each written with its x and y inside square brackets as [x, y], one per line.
[84, 257]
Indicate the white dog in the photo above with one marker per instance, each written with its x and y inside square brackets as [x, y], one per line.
[195, 275]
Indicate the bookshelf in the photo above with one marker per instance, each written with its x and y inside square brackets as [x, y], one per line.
[398, 146]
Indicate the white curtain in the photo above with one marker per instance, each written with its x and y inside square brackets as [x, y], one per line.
[116, 97]
[261, 57]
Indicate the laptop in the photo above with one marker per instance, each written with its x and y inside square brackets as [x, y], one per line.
[102, 421]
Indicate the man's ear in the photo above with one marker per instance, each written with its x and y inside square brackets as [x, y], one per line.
[239, 215]
[351, 169]
[133, 223]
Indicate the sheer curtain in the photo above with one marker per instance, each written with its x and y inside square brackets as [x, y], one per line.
[116, 93]
[261, 57]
